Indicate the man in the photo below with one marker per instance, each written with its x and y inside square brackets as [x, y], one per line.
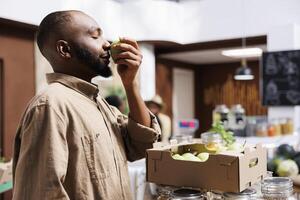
[156, 106]
[70, 143]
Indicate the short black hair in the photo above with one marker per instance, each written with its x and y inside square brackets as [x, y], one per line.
[52, 23]
[114, 100]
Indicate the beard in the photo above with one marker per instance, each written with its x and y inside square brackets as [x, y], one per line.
[95, 63]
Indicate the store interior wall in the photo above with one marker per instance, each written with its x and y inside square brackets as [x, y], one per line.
[184, 21]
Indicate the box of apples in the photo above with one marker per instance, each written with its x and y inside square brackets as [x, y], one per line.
[192, 164]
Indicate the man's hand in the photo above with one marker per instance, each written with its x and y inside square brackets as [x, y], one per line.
[128, 60]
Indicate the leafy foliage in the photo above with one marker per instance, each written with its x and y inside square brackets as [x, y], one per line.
[226, 135]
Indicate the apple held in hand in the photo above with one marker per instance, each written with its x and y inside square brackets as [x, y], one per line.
[203, 156]
[113, 50]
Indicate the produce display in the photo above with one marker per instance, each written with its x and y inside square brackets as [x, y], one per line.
[200, 157]
[227, 136]
[223, 143]
[286, 162]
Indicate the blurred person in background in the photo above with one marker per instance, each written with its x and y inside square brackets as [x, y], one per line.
[156, 106]
[116, 101]
[70, 144]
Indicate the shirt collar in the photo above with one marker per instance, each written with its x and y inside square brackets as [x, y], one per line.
[88, 89]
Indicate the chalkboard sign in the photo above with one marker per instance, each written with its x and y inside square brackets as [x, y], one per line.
[281, 78]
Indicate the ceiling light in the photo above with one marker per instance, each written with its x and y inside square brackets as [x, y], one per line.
[243, 52]
[243, 72]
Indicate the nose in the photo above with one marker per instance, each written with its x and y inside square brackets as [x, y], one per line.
[106, 45]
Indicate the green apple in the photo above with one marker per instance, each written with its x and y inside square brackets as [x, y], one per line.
[203, 156]
[113, 50]
[190, 157]
[177, 157]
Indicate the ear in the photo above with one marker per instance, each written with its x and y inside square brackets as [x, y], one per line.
[63, 48]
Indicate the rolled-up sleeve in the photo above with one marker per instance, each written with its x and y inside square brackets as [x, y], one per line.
[137, 137]
[41, 156]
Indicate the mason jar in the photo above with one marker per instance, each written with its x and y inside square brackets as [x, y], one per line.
[164, 192]
[277, 188]
[215, 195]
[248, 194]
[212, 141]
[187, 194]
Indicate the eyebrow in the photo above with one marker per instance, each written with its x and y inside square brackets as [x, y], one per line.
[93, 29]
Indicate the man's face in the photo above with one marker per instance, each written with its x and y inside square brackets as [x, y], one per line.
[88, 46]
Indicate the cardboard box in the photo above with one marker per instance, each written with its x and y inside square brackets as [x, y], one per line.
[228, 172]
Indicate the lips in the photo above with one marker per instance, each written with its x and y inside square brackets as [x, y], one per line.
[106, 57]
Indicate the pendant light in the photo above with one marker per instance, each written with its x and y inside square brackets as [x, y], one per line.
[243, 72]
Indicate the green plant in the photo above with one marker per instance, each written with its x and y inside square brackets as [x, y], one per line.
[119, 91]
[227, 136]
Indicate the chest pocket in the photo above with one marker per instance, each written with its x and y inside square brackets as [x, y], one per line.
[98, 156]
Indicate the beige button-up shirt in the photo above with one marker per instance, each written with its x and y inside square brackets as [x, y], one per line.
[71, 144]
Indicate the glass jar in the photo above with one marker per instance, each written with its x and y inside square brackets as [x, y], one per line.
[215, 195]
[277, 188]
[248, 194]
[187, 194]
[164, 192]
[220, 113]
[271, 130]
[290, 126]
[277, 126]
[212, 141]
[261, 129]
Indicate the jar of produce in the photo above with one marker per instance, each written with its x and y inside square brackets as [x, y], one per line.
[261, 129]
[271, 130]
[277, 127]
[187, 194]
[248, 194]
[277, 188]
[290, 126]
[212, 141]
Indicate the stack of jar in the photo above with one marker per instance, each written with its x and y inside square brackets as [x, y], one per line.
[272, 188]
[275, 127]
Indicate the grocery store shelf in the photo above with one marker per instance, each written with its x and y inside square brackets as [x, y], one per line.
[271, 143]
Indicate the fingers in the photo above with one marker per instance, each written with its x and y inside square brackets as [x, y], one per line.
[129, 41]
[127, 55]
[130, 54]
[127, 47]
[128, 62]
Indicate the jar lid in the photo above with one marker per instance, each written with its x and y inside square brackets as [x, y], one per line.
[249, 192]
[221, 109]
[186, 193]
[237, 109]
[211, 136]
[277, 185]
